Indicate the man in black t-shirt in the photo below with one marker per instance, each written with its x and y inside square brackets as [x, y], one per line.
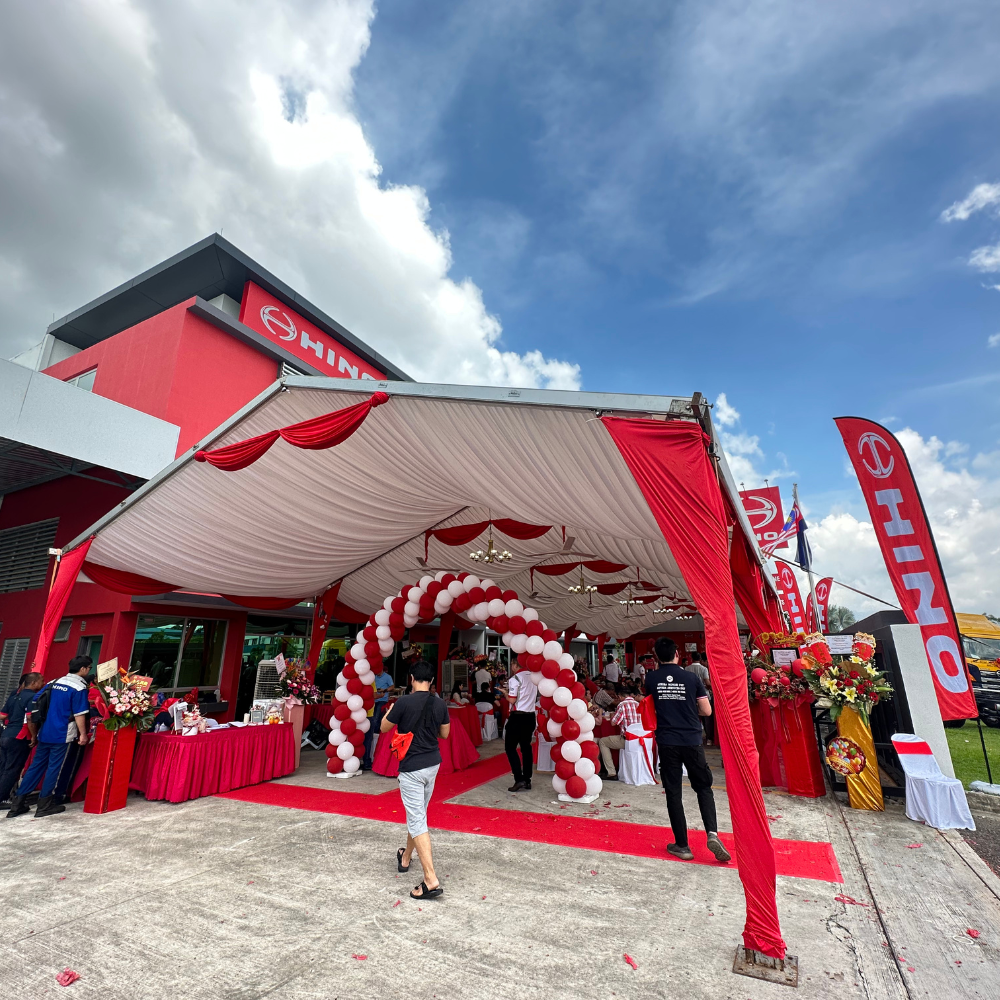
[681, 700]
[426, 717]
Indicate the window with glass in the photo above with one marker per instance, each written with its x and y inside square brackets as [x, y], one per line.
[179, 653]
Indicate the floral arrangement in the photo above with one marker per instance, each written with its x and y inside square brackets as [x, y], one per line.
[783, 640]
[128, 701]
[841, 680]
[294, 685]
[772, 683]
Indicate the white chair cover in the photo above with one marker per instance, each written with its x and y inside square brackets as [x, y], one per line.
[931, 797]
[635, 761]
[544, 762]
[487, 721]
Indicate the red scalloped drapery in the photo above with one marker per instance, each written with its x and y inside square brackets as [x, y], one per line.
[561, 569]
[462, 534]
[314, 434]
[126, 583]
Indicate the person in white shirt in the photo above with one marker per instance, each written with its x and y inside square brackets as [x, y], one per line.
[642, 664]
[612, 671]
[522, 694]
[482, 675]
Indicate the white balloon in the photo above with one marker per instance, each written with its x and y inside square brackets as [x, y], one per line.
[584, 736]
[455, 588]
[562, 696]
[506, 637]
[552, 650]
[513, 607]
[594, 785]
[444, 598]
[439, 606]
[536, 677]
[577, 709]
[341, 680]
[368, 677]
[336, 737]
[355, 702]
[469, 582]
[534, 644]
[529, 615]
[486, 584]
[383, 632]
[587, 723]
[425, 581]
[360, 637]
[440, 575]
[412, 609]
[409, 620]
[358, 651]
[554, 729]
[386, 646]
[387, 603]
[382, 617]
[362, 667]
[566, 661]
[519, 643]
[342, 694]
[412, 594]
[359, 714]
[497, 607]
[584, 768]
[558, 784]
[351, 765]
[547, 687]
[571, 751]
[345, 750]
[482, 611]
[365, 724]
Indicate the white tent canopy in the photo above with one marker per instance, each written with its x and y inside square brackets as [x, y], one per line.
[296, 521]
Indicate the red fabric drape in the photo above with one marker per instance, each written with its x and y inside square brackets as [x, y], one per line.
[748, 588]
[264, 603]
[568, 636]
[346, 614]
[62, 586]
[317, 433]
[462, 534]
[125, 583]
[322, 613]
[671, 466]
[561, 569]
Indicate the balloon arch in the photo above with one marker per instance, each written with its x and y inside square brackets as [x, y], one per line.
[563, 696]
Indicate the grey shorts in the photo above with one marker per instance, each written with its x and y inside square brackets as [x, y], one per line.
[415, 789]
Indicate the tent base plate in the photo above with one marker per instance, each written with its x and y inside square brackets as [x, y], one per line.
[757, 965]
[563, 797]
[344, 774]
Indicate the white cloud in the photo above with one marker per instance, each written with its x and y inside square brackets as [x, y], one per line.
[986, 258]
[742, 448]
[993, 340]
[725, 414]
[130, 129]
[980, 197]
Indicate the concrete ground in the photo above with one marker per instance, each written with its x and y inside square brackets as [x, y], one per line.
[222, 898]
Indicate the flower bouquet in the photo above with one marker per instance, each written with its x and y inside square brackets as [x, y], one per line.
[294, 685]
[776, 683]
[128, 701]
[845, 680]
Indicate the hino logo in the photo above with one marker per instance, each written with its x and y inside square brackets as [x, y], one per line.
[283, 328]
[871, 440]
[766, 512]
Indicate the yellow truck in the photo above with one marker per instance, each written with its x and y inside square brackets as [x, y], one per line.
[981, 640]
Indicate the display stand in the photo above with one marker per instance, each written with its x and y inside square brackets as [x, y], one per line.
[295, 715]
[799, 751]
[864, 790]
[110, 769]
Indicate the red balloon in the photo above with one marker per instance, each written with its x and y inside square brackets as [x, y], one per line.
[508, 595]
[331, 750]
[579, 691]
[758, 675]
[341, 712]
[785, 679]
[565, 769]
[535, 661]
[357, 738]
[372, 651]
[396, 632]
[377, 668]
[517, 625]
[398, 603]
[347, 726]
[349, 671]
[548, 635]
[462, 603]
[501, 623]
[395, 618]
[477, 595]
[426, 604]
[335, 765]
[493, 593]
[355, 686]
[368, 697]
[369, 633]
[448, 578]
[590, 750]
[576, 787]
[557, 713]
[375, 661]
[555, 752]
[550, 669]
[798, 667]
[462, 577]
[434, 588]
[571, 729]
[566, 678]
[546, 703]
[534, 627]
[522, 659]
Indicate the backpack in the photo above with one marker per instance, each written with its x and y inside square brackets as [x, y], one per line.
[399, 746]
[39, 707]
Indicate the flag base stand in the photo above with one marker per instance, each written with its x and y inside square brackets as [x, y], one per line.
[757, 965]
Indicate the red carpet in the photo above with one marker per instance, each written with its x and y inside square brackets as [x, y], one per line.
[797, 858]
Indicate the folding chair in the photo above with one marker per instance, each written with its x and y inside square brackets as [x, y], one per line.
[931, 797]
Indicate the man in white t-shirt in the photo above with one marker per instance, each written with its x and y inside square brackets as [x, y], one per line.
[482, 676]
[612, 671]
[522, 694]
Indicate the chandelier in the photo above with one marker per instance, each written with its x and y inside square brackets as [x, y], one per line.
[630, 601]
[492, 553]
[584, 588]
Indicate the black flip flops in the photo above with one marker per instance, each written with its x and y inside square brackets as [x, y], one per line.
[399, 860]
[426, 893]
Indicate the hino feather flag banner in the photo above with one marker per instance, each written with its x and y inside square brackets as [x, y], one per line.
[763, 507]
[910, 555]
[791, 599]
[822, 593]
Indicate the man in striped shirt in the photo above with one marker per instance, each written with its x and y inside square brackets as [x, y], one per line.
[626, 714]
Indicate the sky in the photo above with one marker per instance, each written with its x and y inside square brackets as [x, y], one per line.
[793, 210]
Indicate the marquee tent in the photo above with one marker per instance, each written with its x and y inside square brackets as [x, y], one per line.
[357, 488]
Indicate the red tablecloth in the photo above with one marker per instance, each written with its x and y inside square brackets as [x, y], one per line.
[322, 712]
[467, 716]
[176, 768]
[457, 753]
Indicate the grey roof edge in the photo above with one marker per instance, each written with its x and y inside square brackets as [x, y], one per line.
[260, 276]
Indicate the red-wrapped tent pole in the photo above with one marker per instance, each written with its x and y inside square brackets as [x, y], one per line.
[67, 570]
[671, 466]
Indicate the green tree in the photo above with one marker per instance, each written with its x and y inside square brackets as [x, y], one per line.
[839, 618]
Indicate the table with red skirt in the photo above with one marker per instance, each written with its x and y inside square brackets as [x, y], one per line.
[177, 768]
[467, 716]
